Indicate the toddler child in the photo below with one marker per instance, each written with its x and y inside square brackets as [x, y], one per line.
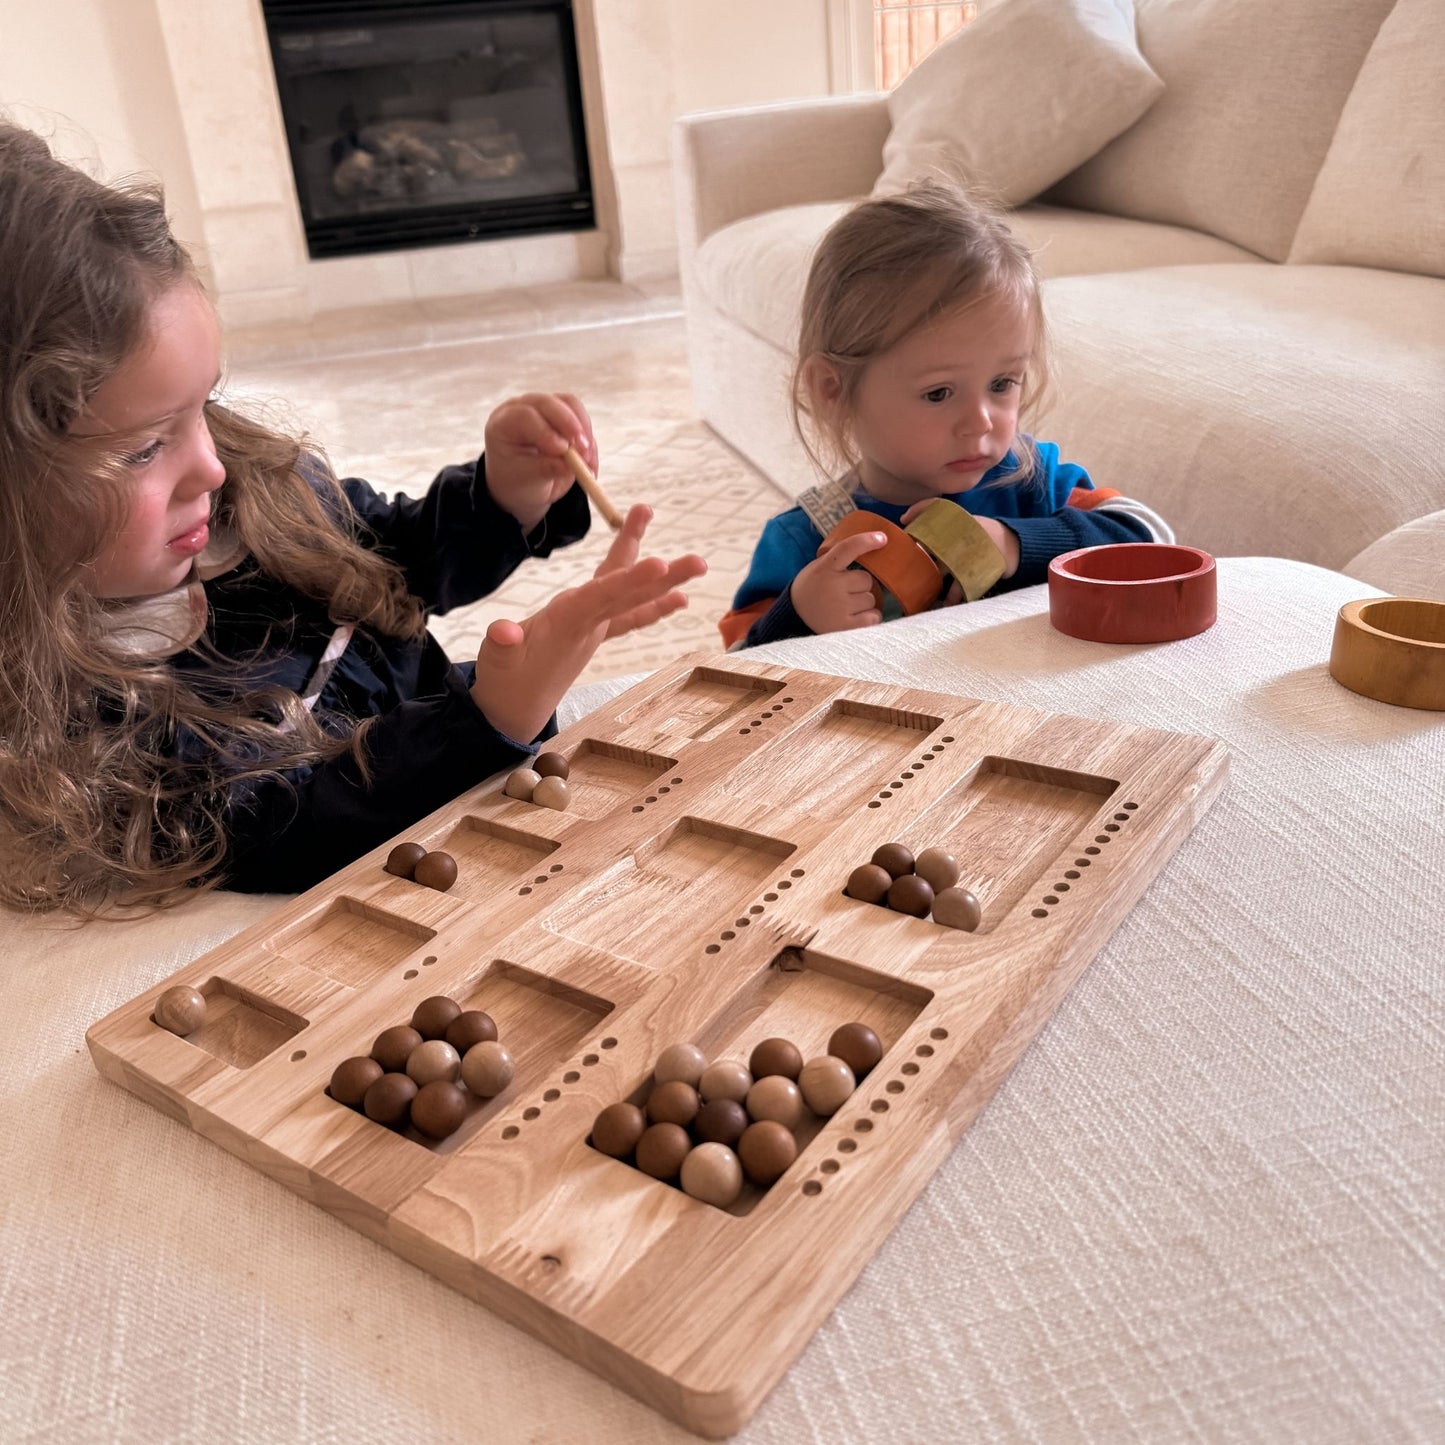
[922, 345]
[214, 665]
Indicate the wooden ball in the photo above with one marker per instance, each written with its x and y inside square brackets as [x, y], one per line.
[351, 1078]
[181, 1009]
[433, 1060]
[673, 1103]
[957, 908]
[388, 1100]
[721, 1121]
[725, 1079]
[402, 859]
[778, 1098]
[662, 1149]
[616, 1130]
[910, 894]
[712, 1173]
[766, 1150]
[776, 1056]
[826, 1084]
[869, 883]
[439, 1108]
[521, 782]
[551, 792]
[487, 1069]
[857, 1045]
[436, 870]
[471, 1027]
[552, 765]
[393, 1047]
[680, 1061]
[894, 858]
[938, 868]
[432, 1016]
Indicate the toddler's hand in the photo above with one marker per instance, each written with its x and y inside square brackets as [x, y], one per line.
[525, 440]
[524, 668]
[830, 594]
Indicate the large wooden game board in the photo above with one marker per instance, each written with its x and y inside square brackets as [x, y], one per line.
[693, 891]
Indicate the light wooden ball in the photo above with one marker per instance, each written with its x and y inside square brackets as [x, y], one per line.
[680, 1061]
[435, 1059]
[181, 1009]
[776, 1097]
[521, 783]
[712, 1173]
[826, 1084]
[487, 1069]
[725, 1079]
[551, 792]
[957, 908]
[937, 867]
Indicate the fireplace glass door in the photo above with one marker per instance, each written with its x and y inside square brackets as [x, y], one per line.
[430, 122]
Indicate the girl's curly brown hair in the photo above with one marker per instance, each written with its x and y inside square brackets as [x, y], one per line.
[96, 813]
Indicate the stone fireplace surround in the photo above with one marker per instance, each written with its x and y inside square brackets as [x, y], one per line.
[252, 244]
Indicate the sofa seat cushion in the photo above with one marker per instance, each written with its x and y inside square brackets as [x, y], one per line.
[1321, 385]
[754, 270]
[1408, 562]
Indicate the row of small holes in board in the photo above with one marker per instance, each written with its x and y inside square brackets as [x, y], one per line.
[757, 722]
[781, 886]
[653, 797]
[550, 1096]
[911, 771]
[1092, 851]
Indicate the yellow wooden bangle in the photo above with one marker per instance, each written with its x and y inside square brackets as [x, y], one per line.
[962, 548]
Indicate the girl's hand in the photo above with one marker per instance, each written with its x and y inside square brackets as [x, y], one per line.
[524, 668]
[831, 595]
[525, 440]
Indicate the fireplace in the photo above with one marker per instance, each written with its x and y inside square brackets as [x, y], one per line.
[430, 122]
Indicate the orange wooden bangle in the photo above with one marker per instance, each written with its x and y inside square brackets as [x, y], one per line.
[902, 566]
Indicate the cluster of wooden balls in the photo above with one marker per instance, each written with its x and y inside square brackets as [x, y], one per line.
[927, 884]
[544, 783]
[181, 1009]
[415, 1072]
[708, 1126]
[432, 870]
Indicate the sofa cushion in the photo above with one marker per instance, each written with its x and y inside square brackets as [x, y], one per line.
[1252, 94]
[1017, 99]
[754, 270]
[1408, 562]
[1318, 385]
[1379, 199]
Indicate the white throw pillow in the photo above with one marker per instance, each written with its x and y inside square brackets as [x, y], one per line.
[1379, 199]
[1017, 99]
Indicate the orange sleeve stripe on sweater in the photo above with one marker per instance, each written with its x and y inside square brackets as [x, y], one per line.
[1085, 498]
[734, 625]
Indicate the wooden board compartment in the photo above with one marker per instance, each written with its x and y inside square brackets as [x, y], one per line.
[692, 892]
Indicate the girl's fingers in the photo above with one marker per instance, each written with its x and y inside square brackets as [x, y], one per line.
[624, 548]
[586, 443]
[842, 555]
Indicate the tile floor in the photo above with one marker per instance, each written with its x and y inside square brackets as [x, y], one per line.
[392, 395]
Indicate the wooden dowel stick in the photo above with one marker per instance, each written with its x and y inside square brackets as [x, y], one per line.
[594, 491]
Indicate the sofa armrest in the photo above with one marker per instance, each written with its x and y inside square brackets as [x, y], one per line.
[1408, 562]
[728, 164]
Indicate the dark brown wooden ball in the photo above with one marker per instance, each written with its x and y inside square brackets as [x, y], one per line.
[911, 894]
[432, 1016]
[436, 870]
[766, 1149]
[471, 1027]
[721, 1121]
[673, 1103]
[393, 1047]
[616, 1130]
[938, 866]
[857, 1045]
[895, 858]
[402, 859]
[388, 1100]
[551, 765]
[776, 1056]
[439, 1108]
[351, 1078]
[662, 1149]
[181, 1009]
[869, 883]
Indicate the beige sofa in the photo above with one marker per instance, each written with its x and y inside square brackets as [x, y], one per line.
[1244, 286]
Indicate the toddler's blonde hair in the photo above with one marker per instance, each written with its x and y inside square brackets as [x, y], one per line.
[888, 268]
